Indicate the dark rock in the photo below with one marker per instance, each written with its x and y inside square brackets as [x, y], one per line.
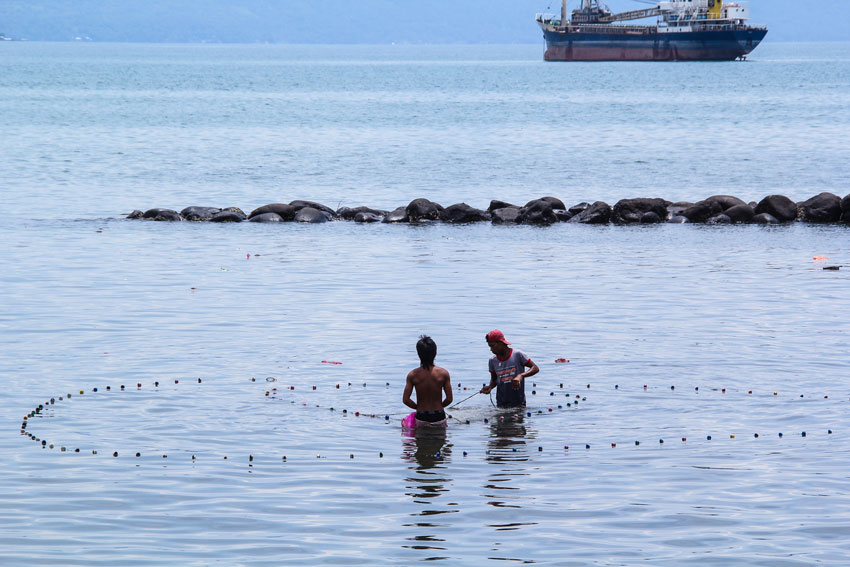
[266, 217]
[496, 205]
[650, 217]
[628, 211]
[162, 215]
[423, 209]
[554, 201]
[678, 219]
[764, 218]
[367, 217]
[537, 212]
[576, 209]
[702, 211]
[228, 216]
[348, 213]
[742, 213]
[137, 214]
[825, 207]
[845, 209]
[725, 201]
[505, 215]
[199, 213]
[463, 213]
[311, 215]
[779, 207]
[719, 219]
[286, 212]
[236, 210]
[562, 215]
[298, 204]
[597, 213]
[398, 215]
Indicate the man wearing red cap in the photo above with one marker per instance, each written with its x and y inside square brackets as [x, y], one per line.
[507, 372]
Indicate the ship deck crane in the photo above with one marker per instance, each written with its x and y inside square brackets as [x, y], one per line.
[602, 15]
[631, 15]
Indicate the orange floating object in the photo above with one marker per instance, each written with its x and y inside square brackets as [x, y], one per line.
[820, 258]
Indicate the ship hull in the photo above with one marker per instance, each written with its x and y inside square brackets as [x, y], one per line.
[649, 44]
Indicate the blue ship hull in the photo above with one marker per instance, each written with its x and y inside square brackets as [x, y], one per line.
[647, 43]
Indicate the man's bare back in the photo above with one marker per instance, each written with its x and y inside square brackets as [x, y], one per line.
[429, 383]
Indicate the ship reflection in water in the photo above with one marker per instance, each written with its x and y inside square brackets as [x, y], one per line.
[686, 30]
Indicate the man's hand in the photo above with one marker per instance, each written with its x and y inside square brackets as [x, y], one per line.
[486, 390]
[516, 381]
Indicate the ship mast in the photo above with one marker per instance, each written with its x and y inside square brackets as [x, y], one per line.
[563, 11]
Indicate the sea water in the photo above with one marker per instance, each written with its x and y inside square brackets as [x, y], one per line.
[701, 418]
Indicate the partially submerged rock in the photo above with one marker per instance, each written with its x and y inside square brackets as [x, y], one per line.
[266, 218]
[822, 208]
[577, 208]
[199, 214]
[311, 215]
[364, 217]
[229, 216]
[496, 205]
[554, 202]
[162, 215]
[779, 207]
[505, 215]
[597, 213]
[764, 218]
[641, 210]
[537, 212]
[348, 213]
[397, 216]
[462, 213]
[703, 210]
[742, 213]
[298, 204]
[284, 211]
[423, 209]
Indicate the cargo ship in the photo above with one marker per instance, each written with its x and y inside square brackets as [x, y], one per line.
[685, 30]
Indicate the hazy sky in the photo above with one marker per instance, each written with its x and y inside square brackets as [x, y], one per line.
[363, 21]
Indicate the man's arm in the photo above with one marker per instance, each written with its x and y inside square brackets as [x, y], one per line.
[493, 381]
[408, 389]
[532, 369]
[447, 388]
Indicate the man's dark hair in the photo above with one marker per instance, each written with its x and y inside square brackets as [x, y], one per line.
[426, 348]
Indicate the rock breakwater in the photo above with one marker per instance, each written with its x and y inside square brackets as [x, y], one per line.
[717, 209]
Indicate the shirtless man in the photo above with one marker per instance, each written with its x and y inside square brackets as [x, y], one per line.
[429, 381]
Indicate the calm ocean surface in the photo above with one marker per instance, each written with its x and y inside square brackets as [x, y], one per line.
[674, 333]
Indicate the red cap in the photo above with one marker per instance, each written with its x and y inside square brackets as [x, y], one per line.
[497, 336]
